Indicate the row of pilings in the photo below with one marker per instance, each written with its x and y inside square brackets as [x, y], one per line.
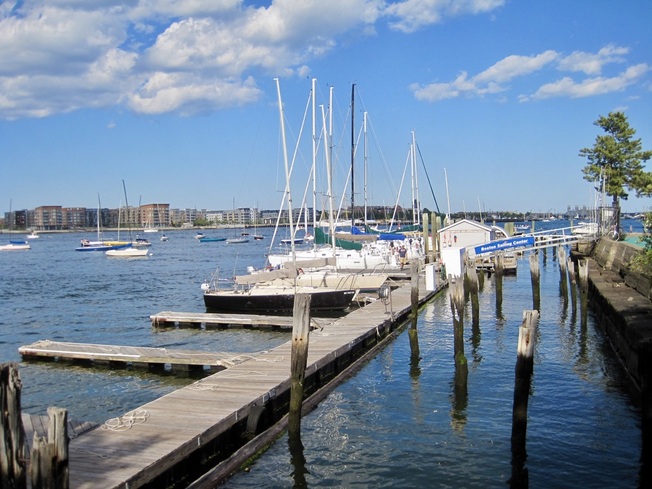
[465, 290]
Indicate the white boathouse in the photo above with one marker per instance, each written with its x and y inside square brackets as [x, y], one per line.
[455, 238]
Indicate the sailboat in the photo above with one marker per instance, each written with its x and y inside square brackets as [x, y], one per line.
[273, 298]
[256, 236]
[237, 239]
[128, 251]
[99, 244]
[14, 244]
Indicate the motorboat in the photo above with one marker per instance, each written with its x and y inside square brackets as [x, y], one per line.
[128, 252]
[16, 245]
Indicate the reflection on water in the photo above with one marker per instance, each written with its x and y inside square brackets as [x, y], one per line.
[401, 423]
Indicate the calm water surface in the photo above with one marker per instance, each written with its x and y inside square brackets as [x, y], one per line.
[393, 425]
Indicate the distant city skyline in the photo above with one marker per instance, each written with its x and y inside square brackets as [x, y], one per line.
[179, 99]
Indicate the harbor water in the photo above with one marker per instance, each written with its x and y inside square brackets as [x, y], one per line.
[397, 423]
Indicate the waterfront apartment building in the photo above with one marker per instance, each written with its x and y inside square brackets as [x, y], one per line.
[57, 218]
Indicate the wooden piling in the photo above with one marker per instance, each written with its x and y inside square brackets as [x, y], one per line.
[523, 375]
[457, 308]
[13, 459]
[414, 299]
[298, 360]
[480, 274]
[573, 285]
[49, 466]
[460, 387]
[499, 284]
[426, 236]
[563, 274]
[472, 275]
[535, 276]
[583, 273]
[465, 276]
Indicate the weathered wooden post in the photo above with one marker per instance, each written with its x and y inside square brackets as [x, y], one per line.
[499, 268]
[583, 266]
[573, 286]
[480, 274]
[460, 387]
[535, 276]
[563, 279]
[13, 454]
[523, 375]
[414, 298]
[457, 308]
[472, 280]
[49, 456]
[436, 226]
[426, 240]
[465, 276]
[298, 361]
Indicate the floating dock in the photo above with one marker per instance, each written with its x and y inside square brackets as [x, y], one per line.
[135, 356]
[168, 319]
[188, 435]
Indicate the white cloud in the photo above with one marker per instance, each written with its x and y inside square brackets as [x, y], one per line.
[188, 95]
[493, 80]
[108, 51]
[592, 63]
[515, 66]
[489, 81]
[567, 87]
[412, 15]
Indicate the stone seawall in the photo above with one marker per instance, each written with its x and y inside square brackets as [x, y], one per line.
[617, 256]
[621, 302]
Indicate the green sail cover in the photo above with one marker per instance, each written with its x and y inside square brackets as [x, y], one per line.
[323, 238]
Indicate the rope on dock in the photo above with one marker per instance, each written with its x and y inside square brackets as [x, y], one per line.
[126, 421]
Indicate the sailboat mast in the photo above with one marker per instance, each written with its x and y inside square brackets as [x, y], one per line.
[329, 169]
[364, 126]
[314, 157]
[287, 169]
[352, 154]
[124, 187]
[416, 213]
[330, 187]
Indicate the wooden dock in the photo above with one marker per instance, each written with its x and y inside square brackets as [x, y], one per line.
[168, 319]
[175, 440]
[136, 356]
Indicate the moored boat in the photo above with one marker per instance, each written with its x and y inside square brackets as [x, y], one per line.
[16, 245]
[128, 252]
[237, 240]
[87, 245]
[274, 299]
[209, 239]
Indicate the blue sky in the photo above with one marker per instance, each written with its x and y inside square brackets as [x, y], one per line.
[179, 99]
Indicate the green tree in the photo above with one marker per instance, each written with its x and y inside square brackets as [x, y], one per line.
[616, 161]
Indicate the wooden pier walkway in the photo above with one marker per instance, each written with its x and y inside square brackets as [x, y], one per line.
[174, 440]
[137, 356]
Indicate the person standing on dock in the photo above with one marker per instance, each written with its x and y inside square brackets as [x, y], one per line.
[402, 254]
